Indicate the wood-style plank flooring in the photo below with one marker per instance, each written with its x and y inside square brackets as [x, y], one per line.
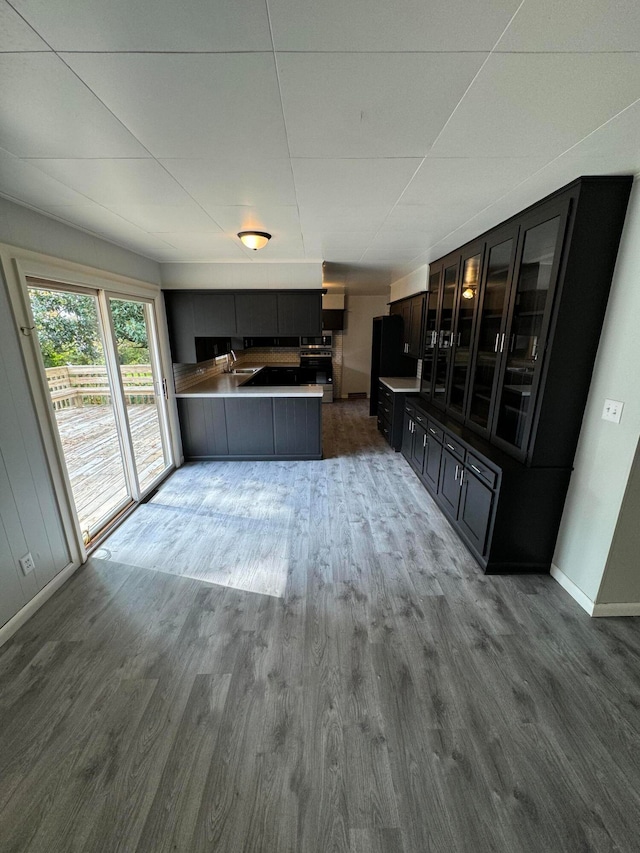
[302, 658]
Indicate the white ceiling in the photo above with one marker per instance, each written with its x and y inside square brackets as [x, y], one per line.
[375, 136]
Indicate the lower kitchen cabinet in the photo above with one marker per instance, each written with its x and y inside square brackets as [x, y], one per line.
[507, 514]
[391, 414]
[251, 427]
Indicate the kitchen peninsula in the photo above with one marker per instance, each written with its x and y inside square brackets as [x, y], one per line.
[222, 417]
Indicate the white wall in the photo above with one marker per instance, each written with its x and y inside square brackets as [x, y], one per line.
[356, 341]
[605, 450]
[236, 276]
[415, 282]
[29, 512]
[20, 226]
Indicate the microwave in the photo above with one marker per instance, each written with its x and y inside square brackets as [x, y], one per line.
[325, 341]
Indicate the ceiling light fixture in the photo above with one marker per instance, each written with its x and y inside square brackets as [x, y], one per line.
[254, 239]
[469, 292]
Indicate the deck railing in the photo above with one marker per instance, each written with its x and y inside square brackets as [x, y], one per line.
[87, 384]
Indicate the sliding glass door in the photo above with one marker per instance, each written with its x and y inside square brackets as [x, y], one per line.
[103, 375]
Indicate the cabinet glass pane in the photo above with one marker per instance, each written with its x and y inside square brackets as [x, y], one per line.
[445, 333]
[488, 334]
[462, 336]
[532, 294]
[430, 337]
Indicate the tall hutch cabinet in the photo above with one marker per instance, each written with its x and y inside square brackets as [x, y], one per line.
[510, 337]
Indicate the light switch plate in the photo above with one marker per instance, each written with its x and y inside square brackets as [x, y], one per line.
[612, 411]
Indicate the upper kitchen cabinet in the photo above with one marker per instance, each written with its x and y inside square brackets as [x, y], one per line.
[257, 313]
[510, 351]
[214, 314]
[466, 303]
[179, 308]
[200, 322]
[299, 314]
[411, 310]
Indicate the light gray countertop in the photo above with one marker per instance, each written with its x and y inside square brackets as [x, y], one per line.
[401, 383]
[230, 385]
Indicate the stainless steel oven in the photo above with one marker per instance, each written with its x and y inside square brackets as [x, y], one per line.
[316, 369]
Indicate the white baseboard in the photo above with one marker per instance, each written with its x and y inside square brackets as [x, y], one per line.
[622, 608]
[618, 608]
[574, 591]
[9, 628]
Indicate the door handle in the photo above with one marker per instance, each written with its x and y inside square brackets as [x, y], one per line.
[424, 440]
[495, 348]
[502, 343]
[450, 446]
[456, 474]
[461, 477]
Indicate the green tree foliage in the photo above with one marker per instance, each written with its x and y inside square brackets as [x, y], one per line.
[67, 326]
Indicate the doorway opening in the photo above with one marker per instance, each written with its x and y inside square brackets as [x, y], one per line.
[102, 367]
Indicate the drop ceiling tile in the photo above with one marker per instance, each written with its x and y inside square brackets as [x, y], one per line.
[15, 33]
[371, 105]
[96, 219]
[276, 219]
[203, 245]
[281, 247]
[334, 217]
[574, 25]
[23, 182]
[117, 182]
[617, 138]
[329, 244]
[405, 25]
[192, 105]
[166, 217]
[235, 180]
[161, 25]
[45, 111]
[374, 182]
[539, 104]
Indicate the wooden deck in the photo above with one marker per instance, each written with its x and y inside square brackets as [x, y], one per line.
[92, 454]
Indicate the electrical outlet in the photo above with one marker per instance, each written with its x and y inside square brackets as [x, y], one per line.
[612, 411]
[26, 564]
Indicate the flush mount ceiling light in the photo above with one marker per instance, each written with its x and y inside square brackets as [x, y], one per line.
[254, 239]
[469, 292]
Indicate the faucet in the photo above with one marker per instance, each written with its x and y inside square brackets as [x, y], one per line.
[230, 363]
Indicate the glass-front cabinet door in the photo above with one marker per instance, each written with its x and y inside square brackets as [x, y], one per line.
[532, 295]
[430, 333]
[499, 255]
[445, 329]
[467, 301]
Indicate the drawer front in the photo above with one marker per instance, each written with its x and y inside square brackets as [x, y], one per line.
[385, 409]
[420, 419]
[435, 431]
[385, 393]
[484, 473]
[454, 446]
[410, 410]
[383, 426]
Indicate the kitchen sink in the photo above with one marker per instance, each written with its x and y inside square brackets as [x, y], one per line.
[245, 370]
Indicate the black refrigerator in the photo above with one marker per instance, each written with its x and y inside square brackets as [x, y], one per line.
[387, 358]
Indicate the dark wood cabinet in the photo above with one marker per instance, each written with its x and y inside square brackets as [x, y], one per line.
[391, 414]
[509, 336]
[411, 312]
[251, 428]
[202, 323]
[299, 314]
[214, 314]
[257, 313]
[449, 486]
[507, 368]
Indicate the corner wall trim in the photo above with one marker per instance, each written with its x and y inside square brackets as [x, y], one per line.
[9, 628]
[574, 591]
[617, 608]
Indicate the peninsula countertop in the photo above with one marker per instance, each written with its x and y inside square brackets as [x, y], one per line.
[403, 384]
[232, 385]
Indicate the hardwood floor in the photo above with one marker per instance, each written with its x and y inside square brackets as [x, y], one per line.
[301, 657]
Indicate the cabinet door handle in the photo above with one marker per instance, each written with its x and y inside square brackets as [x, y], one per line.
[455, 477]
[418, 419]
[477, 470]
[495, 348]
[424, 440]
[450, 446]
[461, 477]
[432, 431]
[502, 343]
